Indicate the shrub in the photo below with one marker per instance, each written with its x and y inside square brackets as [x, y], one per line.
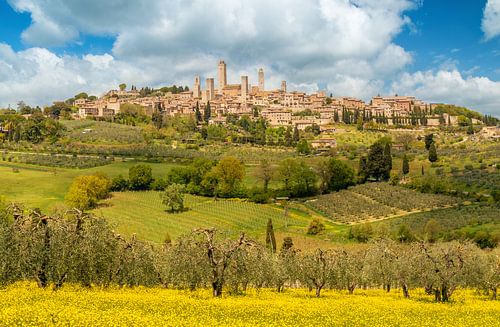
[315, 227]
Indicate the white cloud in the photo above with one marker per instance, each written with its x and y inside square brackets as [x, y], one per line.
[182, 38]
[346, 46]
[491, 19]
[451, 87]
[39, 76]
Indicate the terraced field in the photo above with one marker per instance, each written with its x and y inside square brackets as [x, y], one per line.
[376, 201]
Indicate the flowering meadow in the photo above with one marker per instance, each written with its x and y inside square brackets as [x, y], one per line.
[24, 304]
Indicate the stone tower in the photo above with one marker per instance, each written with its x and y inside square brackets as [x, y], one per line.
[244, 88]
[222, 76]
[210, 89]
[196, 87]
[261, 79]
[283, 86]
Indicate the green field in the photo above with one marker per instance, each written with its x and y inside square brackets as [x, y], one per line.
[144, 214]
[45, 187]
[24, 304]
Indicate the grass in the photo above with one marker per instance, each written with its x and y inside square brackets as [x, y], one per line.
[24, 304]
[45, 188]
[144, 214]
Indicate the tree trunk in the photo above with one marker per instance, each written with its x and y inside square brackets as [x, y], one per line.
[406, 293]
[217, 288]
[351, 289]
[388, 288]
[437, 295]
[318, 290]
[444, 294]
[494, 295]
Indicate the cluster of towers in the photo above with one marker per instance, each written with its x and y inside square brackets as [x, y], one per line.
[243, 89]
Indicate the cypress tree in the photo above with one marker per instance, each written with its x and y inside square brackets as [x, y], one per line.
[429, 138]
[270, 239]
[432, 153]
[198, 113]
[288, 136]
[406, 165]
[296, 135]
[362, 170]
[207, 113]
[387, 160]
[336, 116]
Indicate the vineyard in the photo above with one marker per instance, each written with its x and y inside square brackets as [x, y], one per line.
[374, 201]
[144, 214]
[57, 160]
[24, 304]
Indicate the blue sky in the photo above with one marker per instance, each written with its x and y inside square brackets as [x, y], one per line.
[440, 51]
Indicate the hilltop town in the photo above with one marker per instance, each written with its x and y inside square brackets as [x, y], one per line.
[280, 107]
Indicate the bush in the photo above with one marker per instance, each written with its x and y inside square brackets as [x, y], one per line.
[159, 184]
[361, 233]
[119, 184]
[315, 227]
[258, 195]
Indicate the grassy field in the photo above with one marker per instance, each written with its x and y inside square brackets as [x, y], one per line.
[144, 214]
[26, 305]
[45, 187]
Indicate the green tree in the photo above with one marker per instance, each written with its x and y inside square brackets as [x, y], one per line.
[197, 113]
[122, 86]
[340, 175]
[157, 119]
[433, 157]
[288, 136]
[140, 177]
[298, 178]
[207, 113]
[303, 147]
[173, 197]
[229, 173]
[406, 165]
[296, 135]
[270, 238]
[86, 191]
[428, 139]
[379, 160]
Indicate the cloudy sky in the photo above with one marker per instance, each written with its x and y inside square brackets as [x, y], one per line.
[440, 51]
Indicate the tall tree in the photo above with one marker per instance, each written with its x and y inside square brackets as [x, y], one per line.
[433, 157]
[406, 165]
[429, 139]
[207, 113]
[379, 160]
[270, 238]
[197, 113]
[296, 135]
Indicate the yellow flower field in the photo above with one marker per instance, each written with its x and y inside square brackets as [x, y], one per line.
[24, 304]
